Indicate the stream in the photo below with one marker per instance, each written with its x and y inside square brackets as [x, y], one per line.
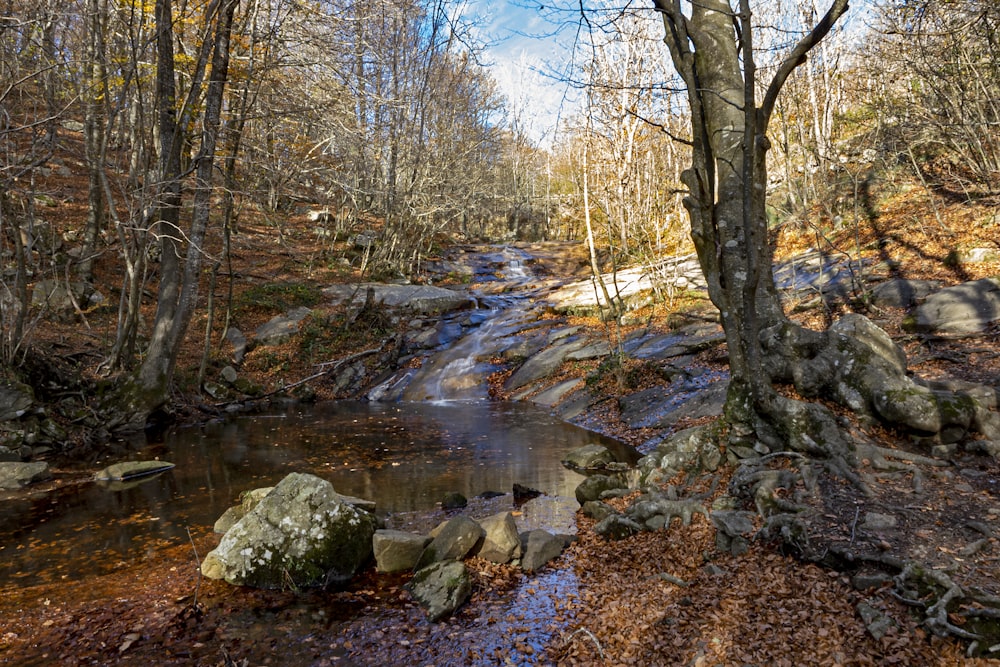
[437, 434]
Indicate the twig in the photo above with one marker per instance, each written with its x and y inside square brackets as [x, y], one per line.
[590, 634]
[334, 365]
[197, 561]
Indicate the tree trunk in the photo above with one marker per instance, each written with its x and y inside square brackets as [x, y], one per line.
[178, 288]
[727, 183]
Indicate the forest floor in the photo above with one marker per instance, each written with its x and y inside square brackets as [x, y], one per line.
[600, 603]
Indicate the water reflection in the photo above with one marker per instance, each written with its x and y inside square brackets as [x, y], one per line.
[404, 456]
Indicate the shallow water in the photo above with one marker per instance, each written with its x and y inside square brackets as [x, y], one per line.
[405, 456]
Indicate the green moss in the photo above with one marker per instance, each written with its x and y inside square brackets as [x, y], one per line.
[279, 297]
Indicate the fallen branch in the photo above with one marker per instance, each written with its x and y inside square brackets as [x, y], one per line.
[333, 366]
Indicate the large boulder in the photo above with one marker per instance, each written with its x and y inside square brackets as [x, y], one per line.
[441, 588]
[302, 533]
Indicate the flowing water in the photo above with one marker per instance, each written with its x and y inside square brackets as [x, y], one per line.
[405, 456]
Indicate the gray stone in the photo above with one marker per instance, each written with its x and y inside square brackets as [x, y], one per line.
[15, 474]
[924, 410]
[396, 550]
[280, 328]
[864, 331]
[597, 350]
[733, 523]
[588, 457]
[962, 309]
[56, 296]
[441, 588]
[250, 499]
[900, 293]
[15, 400]
[866, 580]
[228, 375]
[877, 521]
[877, 623]
[542, 364]
[553, 395]
[302, 533]
[682, 399]
[423, 299]
[456, 539]
[538, 548]
[236, 338]
[501, 543]
[556, 514]
[454, 501]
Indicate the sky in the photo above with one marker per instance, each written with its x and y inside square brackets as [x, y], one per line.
[524, 49]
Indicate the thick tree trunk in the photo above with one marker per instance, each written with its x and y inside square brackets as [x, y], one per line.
[712, 50]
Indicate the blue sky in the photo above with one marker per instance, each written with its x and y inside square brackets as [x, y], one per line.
[524, 46]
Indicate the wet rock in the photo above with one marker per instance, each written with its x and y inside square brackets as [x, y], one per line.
[588, 457]
[963, 309]
[396, 550]
[131, 469]
[523, 493]
[538, 548]
[501, 542]
[15, 474]
[556, 514]
[456, 539]
[441, 588]
[441, 334]
[302, 533]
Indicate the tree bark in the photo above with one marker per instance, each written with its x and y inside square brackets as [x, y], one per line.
[712, 50]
